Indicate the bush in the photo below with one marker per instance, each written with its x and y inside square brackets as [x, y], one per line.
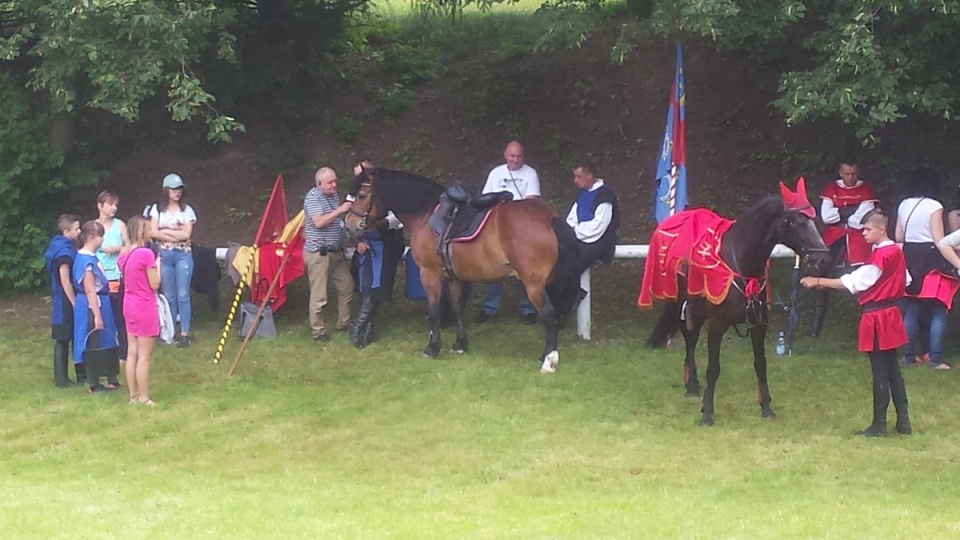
[32, 174]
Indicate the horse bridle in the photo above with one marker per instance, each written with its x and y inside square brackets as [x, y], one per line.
[365, 216]
[753, 314]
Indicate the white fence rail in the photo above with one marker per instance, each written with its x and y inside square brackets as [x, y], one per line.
[636, 251]
[630, 251]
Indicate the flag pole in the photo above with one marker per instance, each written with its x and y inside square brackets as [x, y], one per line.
[233, 309]
[263, 305]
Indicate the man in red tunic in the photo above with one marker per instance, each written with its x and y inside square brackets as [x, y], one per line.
[881, 281]
[844, 202]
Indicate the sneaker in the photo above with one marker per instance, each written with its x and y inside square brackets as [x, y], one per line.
[321, 337]
[530, 318]
[924, 358]
[482, 317]
[942, 366]
[907, 363]
[183, 342]
[114, 385]
[97, 389]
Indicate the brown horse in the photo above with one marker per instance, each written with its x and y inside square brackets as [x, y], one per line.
[527, 239]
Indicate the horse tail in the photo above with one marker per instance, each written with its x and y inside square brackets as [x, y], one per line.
[563, 285]
[667, 326]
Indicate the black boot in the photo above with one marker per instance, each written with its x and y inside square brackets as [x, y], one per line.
[899, 392]
[820, 299]
[361, 329]
[81, 370]
[61, 351]
[881, 399]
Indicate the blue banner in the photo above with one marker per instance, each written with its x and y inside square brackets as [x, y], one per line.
[671, 194]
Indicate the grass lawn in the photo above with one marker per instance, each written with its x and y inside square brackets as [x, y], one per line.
[328, 442]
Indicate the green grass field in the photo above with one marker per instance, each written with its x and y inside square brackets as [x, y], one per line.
[331, 442]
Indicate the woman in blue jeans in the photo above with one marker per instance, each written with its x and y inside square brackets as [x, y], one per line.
[934, 284]
[171, 225]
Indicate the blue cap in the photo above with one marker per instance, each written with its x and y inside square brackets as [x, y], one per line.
[172, 181]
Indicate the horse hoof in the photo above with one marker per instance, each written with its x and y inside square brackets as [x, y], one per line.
[456, 350]
[706, 422]
[550, 362]
[692, 393]
[430, 353]
[769, 415]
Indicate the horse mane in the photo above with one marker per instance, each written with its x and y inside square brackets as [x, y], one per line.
[754, 234]
[762, 211]
[404, 192]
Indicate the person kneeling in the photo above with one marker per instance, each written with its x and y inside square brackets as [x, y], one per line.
[880, 282]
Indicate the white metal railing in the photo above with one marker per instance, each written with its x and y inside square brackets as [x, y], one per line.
[629, 251]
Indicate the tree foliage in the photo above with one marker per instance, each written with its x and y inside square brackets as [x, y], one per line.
[114, 54]
[869, 62]
[31, 175]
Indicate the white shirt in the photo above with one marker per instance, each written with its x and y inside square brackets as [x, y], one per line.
[866, 275]
[172, 220]
[591, 231]
[952, 239]
[830, 214]
[920, 211]
[522, 182]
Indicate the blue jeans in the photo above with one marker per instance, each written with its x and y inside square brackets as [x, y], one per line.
[493, 293]
[913, 308]
[176, 270]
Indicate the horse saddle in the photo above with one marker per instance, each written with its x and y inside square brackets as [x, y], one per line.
[460, 216]
[462, 212]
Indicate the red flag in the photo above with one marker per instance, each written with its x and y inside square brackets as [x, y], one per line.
[274, 215]
[273, 248]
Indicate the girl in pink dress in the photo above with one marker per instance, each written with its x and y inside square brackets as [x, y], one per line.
[139, 266]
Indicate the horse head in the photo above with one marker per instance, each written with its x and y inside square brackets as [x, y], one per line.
[364, 209]
[797, 229]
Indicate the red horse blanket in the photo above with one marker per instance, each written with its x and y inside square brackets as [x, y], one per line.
[690, 238]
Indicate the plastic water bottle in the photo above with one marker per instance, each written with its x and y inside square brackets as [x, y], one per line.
[781, 345]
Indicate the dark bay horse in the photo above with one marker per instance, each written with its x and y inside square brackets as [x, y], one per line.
[745, 248]
[527, 239]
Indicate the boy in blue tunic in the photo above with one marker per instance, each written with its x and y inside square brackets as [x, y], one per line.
[59, 257]
[93, 323]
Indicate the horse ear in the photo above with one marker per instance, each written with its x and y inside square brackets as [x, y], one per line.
[802, 187]
[786, 194]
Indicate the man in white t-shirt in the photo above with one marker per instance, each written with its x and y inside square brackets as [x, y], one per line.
[523, 182]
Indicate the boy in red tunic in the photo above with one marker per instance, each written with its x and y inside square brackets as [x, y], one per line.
[881, 281]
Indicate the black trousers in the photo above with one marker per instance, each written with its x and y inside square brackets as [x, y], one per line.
[887, 383]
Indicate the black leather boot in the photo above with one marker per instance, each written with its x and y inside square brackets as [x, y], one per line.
[61, 377]
[820, 299]
[881, 399]
[899, 391]
[361, 329]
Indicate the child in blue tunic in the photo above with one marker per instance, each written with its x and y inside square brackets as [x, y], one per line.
[93, 323]
[59, 264]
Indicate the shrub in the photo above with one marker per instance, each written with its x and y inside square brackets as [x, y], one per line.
[32, 176]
